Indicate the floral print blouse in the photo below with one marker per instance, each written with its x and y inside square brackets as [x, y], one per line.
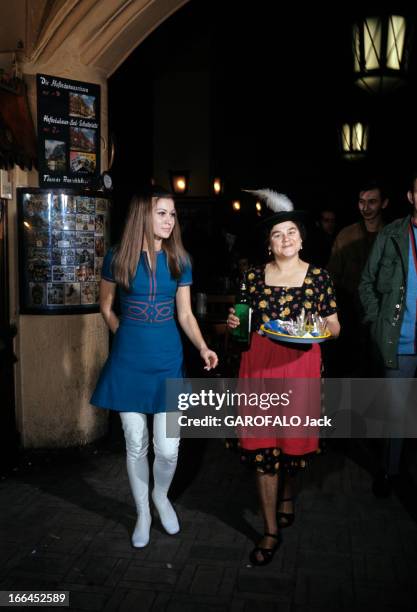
[315, 295]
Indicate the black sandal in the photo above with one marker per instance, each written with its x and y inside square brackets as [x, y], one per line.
[267, 553]
[286, 519]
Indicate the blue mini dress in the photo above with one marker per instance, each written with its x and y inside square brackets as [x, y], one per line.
[147, 347]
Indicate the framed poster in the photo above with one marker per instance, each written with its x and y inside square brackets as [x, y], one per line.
[68, 132]
[63, 236]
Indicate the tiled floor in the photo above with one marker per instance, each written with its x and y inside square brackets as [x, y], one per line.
[65, 524]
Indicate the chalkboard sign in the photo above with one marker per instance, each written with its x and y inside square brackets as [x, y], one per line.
[68, 132]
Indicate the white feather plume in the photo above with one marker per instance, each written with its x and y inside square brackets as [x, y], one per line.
[277, 202]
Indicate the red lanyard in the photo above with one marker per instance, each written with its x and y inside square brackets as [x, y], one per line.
[413, 244]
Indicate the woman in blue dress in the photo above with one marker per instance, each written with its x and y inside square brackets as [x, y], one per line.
[153, 273]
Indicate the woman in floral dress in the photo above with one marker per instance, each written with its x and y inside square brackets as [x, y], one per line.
[281, 289]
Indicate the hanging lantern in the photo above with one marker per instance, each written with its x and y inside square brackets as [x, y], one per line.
[354, 140]
[380, 49]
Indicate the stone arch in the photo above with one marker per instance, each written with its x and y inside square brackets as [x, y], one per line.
[96, 34]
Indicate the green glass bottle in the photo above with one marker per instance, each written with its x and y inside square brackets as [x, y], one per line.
[243, 311]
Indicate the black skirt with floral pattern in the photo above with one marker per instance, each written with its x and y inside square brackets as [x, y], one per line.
[271, 460]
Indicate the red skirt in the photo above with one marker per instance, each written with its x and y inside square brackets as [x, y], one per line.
[275, 360]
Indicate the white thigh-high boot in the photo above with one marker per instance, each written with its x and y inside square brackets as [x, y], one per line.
[136, 435]
[166, 453]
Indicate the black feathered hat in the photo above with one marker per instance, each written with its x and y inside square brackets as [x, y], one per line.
[281, 206]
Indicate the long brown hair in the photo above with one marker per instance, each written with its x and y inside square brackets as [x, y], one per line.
[137, 230]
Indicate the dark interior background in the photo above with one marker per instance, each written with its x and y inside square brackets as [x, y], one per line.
[280, 84]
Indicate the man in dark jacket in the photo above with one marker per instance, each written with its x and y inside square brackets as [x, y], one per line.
[350, 252]
[388, 292]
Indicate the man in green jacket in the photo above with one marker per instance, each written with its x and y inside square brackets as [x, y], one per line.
[388, 292]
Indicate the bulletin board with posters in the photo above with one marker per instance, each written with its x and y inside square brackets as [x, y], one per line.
[63, 236]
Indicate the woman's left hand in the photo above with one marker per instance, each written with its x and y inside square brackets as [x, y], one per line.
[209, 357]
[333, 325]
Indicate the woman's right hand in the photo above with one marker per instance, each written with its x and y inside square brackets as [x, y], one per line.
[232, 320]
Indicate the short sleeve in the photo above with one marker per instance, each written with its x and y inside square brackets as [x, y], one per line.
[106, 271]
[327, 297]
[186, 277]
